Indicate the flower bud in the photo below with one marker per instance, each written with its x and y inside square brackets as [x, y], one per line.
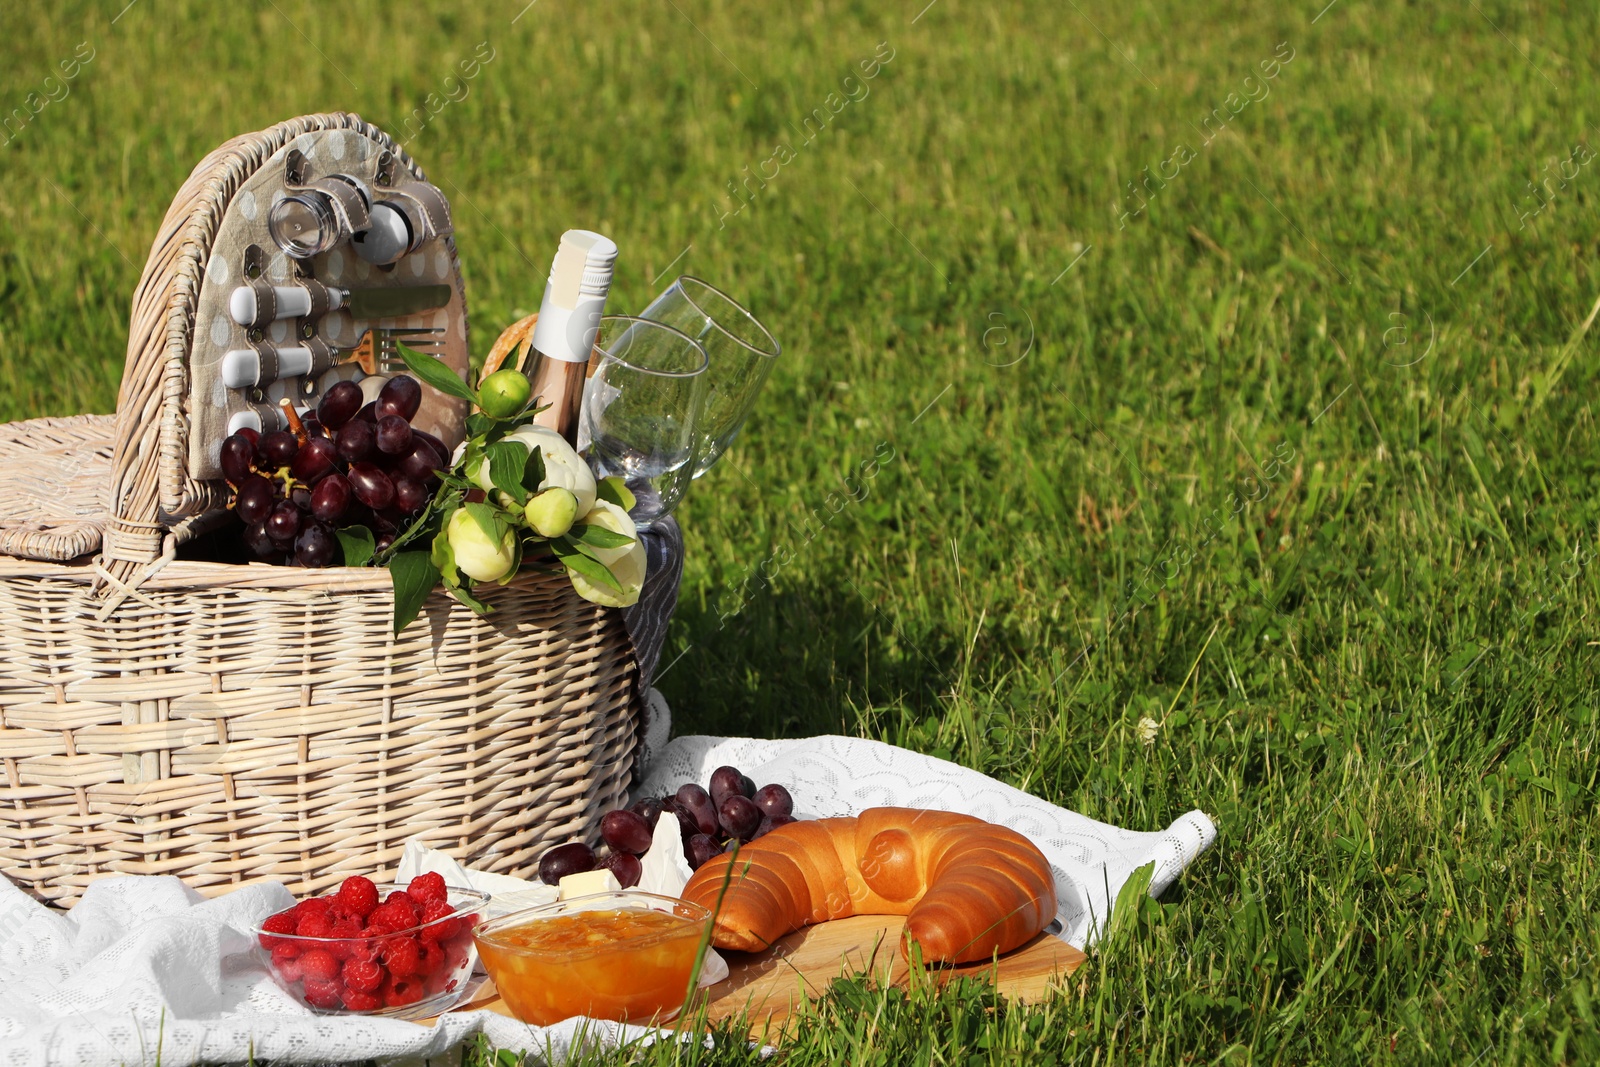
[477, 554]
[626, 563]
[552, 512]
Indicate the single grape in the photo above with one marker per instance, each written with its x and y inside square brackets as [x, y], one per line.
[372, 487]
[314, 460]
[725, 782]
[409, 495]
[238, 453]
[747, 785]
[276, 450]
[648, 809]
[575, 857]
[774, 799]
[436, 444]
[283, 523]
[253, 436]
[253, 499]
[420, 463]
[383, 542]
[401, 395]
[259, 542]
[394, 435]
[316, 546]
[357, 441]
[700, 850]
[331, 498]
[339, 404]
[739, 816]
[369, 413]
[697, 802]
[627, 869]
[772, 822]
[300, 497]
[313, 425]
[625, 831]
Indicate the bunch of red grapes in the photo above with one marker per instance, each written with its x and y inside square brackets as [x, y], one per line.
[711, 822]
[350, 464]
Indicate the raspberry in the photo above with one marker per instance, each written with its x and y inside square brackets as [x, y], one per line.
[403, 957]
[395, 916]
[348, 929]
[401, 991]
[437, 924]
[358, 896]
[282, 923]
[312, 905]
[319, 965]
[363, 976]
[429, 957]
[354, 1001]
[399, 903]
[314, 924]
[288, 966]
[425, 888]
[325, 995]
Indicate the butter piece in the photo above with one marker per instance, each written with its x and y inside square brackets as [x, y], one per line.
[581, 885]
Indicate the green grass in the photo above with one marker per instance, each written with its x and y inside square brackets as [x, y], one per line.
[1394, 721]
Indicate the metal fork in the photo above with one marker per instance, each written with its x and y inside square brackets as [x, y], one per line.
[378, 351]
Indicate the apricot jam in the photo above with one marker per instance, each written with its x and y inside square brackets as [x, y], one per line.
[624, 963]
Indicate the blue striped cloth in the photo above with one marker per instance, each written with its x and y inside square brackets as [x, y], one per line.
[647, 620]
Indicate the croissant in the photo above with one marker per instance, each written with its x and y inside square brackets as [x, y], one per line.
[968, 888]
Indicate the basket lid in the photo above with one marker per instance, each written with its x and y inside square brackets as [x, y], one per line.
[53, 478]
[181, 396]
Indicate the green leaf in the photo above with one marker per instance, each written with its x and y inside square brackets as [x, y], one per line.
[1125, 912]
[463, 593]
[533, 470]
[489, 520]
[586, 565]
[429, 370]
[613, 491]
[507, 461]
[479, 424]
[597, 536]
[357, 544]
[414, 577]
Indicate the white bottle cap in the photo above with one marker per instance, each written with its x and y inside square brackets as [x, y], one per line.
[575, 296]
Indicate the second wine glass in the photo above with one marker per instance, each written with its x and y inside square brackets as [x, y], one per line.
[741, 350]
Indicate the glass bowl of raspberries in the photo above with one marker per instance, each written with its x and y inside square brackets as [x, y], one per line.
[369, 949]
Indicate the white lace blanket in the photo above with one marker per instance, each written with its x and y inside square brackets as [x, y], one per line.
[143, 967]
[844, 775]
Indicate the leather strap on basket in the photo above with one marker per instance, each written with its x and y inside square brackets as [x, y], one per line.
[349, 203]
[268, 353]
[424, 206]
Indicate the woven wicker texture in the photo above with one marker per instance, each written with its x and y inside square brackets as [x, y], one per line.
[237, 723]
[53, 478]
[227, 724]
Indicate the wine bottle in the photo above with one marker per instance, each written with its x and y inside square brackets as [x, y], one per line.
[569, 316]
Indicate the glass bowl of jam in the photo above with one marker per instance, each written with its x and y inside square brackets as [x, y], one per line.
[623, 956]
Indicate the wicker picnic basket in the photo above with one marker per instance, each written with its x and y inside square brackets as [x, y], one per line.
[231, 723]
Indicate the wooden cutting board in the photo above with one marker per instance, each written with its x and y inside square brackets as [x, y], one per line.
[770, 985]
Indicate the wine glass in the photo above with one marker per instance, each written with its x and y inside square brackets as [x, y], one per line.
[741, 350]
[640, 409]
